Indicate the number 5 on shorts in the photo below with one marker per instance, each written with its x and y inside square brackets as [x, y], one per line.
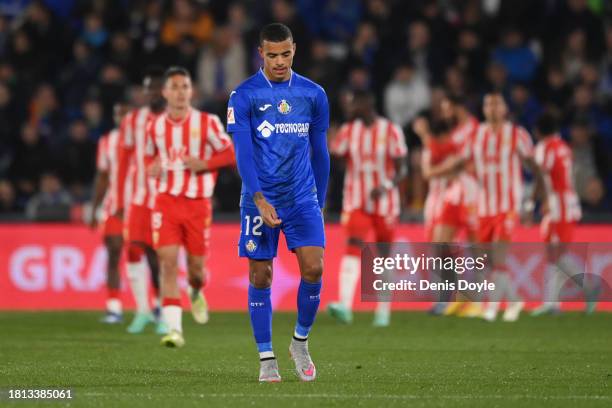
[257, 223]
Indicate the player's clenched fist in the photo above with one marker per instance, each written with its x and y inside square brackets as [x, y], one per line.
[266, 210]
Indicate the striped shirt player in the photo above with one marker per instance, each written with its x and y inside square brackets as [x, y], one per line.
[370, 152]
[435, 152]
[118, 192]
[183, 212]
[497, 156]
[133, 144]
[555, 159]
[451, 199]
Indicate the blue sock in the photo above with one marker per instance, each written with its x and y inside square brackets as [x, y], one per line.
[260, 310]
[308, 300]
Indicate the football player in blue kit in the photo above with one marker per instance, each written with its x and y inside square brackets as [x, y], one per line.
[279, 123]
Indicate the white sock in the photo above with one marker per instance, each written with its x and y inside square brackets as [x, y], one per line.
[172, 316]
[349, 274]
[113, 305]
[383, 308]
[501, 286]
[137, 274]
[552, 286]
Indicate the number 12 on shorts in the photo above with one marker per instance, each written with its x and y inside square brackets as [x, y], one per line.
[257, 223]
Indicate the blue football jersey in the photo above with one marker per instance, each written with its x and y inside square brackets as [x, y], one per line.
[279, 116]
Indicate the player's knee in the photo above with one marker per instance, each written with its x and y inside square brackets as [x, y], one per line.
[135, 253]
[260, 276]
[312, 270]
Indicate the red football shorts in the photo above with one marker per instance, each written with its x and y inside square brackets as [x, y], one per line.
[113, 226]
[554, 232]
[496, 228]
[459, 216]
[358, 224]
[139, 225]
[182, 221]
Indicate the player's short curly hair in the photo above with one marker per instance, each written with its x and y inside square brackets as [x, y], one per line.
[275, 32]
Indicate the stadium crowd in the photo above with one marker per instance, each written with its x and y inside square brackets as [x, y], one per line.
[63, 64]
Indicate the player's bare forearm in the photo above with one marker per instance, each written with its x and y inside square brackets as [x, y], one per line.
[266, 210]
[226, 158]
[538, 191]
[447, 167]
[401, 171]
[100, 187]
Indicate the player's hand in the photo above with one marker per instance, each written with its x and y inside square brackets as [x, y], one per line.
[154, 169]
[267, 211]
[420, 126]
[194, 164]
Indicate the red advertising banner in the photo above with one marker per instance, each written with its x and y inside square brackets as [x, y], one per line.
[57, 266]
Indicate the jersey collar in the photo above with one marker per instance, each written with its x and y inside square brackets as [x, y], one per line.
[270, 83]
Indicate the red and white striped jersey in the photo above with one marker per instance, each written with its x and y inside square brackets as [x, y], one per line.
[370, 152]
[108, 161]
[134, 144]
[497, 162]
[199, 135]
[555, 159]
[461, 133]
[435, 152]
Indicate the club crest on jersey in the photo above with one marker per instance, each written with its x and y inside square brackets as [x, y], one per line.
[283, 107]
[265, 129]
[251, 246]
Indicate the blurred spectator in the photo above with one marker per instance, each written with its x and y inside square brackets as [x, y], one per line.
[574, 54]
[520, 62]
[590, 166]
[145, 30]
[364, 46]
[112, 87]
[406, 95]
[94, 33]
[31, 158]
[93, 114]
[76, 160]
[52, 203]
[331, 20]
[524, 106]
[187, 19]
[556, 91]
[24, 57]
[4, 36]
[497, 78]
[283, 11]
[121, 54]
[8, 202]
[470, 54]
[10, 117]
[78, 76]
[45, 113]
[221, 68]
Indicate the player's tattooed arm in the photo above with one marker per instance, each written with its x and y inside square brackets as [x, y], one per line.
[266, 210]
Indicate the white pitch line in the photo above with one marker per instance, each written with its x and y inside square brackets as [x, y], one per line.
[349, 396]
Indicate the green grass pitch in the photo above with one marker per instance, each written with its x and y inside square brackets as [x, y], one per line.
[420, 361]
